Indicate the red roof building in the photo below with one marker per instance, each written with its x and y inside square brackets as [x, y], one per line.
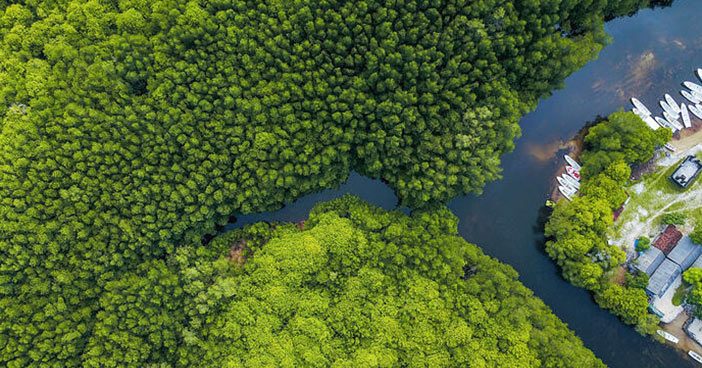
[668, 239]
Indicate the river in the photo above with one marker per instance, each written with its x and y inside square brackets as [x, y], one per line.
[650, 54]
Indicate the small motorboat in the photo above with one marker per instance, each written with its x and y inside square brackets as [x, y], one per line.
[672, 103]
[667, 108]
[565, 184]
[572, 172]
[690, 97]
[695, 110]
[699, 73]
[664, 123]
[571, 161]
[668, 336]
[566, 192]
[695, 356]
[571, 181]
[672, 120]
[669, 147]
[640, 106]
[693, 86]
[685, 116]
[651, 123]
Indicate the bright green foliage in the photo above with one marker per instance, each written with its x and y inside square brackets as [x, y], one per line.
[630, 304]
[623, 138]
[696, 235]
[579, 246]
[578, 229]
[693, 276]
[673, 218]
[129, 128]
[358, 287]
[643, 243]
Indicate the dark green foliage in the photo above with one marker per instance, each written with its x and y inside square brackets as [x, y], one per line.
[130, 128]
[643, 243]
[674, 218]
[637, 280]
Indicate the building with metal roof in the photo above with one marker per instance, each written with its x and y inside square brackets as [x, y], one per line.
[697, 263]
[661, 279]
[649, 260]
[687, 171]
[685, 253]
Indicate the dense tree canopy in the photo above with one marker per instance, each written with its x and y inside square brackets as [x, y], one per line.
[132, 127]
[357, 287]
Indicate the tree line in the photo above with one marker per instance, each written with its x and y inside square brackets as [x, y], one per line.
[577, 230]
[131, 128]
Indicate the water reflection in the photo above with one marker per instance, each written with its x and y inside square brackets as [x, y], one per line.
[651, 54]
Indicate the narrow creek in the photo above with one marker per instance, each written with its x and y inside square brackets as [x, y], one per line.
[650, 54]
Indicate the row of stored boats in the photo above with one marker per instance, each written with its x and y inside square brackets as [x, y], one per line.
[673, 112]
[569, 182]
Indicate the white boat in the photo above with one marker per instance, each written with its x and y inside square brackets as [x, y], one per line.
[571, 181]
[565, 184]
[669, 147]
[651, 123]
[699, 73]
[695, 110]
[688, 96]
[667, 108]
[566, 193]
[695, 356]
[665, 124]
[572, 172]
[668, 336]
[672, 103]
[640, 106]
[672, 120]
[685, 116]
[693, 86]
[697, 95]
[571, 161]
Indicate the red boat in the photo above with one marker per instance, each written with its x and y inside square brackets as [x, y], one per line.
[572, 172]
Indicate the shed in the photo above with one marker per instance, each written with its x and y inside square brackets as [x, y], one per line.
[667, 240]
[649, 260]
[661, 279]
[694, 330]
[685, 253]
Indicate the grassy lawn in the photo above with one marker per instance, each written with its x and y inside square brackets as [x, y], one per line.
[653, 196]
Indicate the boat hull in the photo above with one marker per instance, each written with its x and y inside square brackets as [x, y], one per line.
[685, 116]
[571, 161]
[672, 103]
[690, 97]
[693, 86]
[695, 110]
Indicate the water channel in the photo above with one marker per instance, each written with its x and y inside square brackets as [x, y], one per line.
[650, 54]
